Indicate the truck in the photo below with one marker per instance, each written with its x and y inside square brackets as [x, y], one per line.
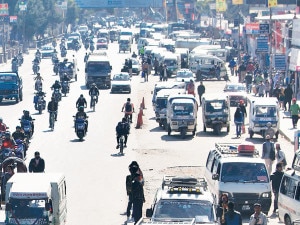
[36, 198]
[98, 70]
[11, 86]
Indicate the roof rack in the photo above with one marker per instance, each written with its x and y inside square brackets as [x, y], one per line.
[144, 221]
[184, 183]
[242, 149]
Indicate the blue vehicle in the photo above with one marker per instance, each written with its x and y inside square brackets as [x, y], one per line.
[11, 86]
[80, 128]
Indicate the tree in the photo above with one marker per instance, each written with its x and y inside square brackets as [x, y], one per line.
[72, 12]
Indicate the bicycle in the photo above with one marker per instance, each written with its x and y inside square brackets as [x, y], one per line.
[52, 119]
[93, 102]
[121, 143]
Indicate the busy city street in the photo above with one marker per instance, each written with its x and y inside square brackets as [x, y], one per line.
[94, 169]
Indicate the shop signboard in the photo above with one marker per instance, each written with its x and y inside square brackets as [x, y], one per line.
[296, 32]
[252, 28]
[262, 44]
[264, 28]
[263, 2]
[294, 59]
[280, 62]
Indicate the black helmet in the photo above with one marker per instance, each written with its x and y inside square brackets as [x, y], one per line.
[18, 127]
[81, 96]
[128, 99]
[81, 109]
[7, 134]
[56, 81]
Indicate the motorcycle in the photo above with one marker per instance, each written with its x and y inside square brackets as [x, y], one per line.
[27, 127]
[93, 102]
[38, 86]
[65, 87]
[54, 58]
[80, 128]
[56, 68]
[92, 47]
[121, 143]
[20, 59]
[86, 46]
[14, 66]
[5, 153]
[63, 53]
[20, 149]
[41, 104]
[57, 95]
[35, 68]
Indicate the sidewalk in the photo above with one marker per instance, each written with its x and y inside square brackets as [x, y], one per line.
[286, 127]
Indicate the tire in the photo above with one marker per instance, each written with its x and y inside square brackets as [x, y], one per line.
[287, 220]
[75, 77]
[276, 134]
[228, 129]
[194, 132]
[40, 110]
[80, 135]
[17, 99]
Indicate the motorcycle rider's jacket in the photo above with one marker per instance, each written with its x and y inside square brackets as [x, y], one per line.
[93, 91]
[81, 102]
[81, 115]
[56, 86]
[52, 106]
[122, 128]
[18, 135]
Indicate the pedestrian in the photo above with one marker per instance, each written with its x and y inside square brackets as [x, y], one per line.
[268, 153]
[198, 71]
[258, 217]
[243, 109]
[261, 89]
[130, 67]
[281, 100]
[145, 70]
[138, 198]
[232, 217]
[267, 88]
[238, 120]
[294, 110]
[37, 164]
[133, 169]
[276, 91]
[276, 180]
[288, 95]
[165, 73]
[156, 65]
[201, 91]
[222, 208]
[280, 156]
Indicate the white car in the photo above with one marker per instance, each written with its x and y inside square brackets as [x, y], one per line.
[136, 66]
[184, 75]
[47, 51]
[121, 82]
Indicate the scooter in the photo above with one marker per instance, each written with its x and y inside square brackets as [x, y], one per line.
[57, 95]
[41, 104]
[35, 68]
[65, 87]
[27, 127]
[80, 128]
[20, 149]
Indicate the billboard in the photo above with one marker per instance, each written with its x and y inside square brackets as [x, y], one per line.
[279, 2]
[119, 3]
[296, 32]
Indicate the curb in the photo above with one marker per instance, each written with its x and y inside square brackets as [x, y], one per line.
[286, 137]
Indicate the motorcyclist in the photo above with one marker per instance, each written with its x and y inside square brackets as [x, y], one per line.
[39, 94]
[14, 60]
[38, 54]
[36, 61]
[129, 109]
[56, 85]
[8, 141]
[81, 101]
[75, 42]
[19, 134]
[248, 81]
[27, 116]
[82, 115]
[94, 92]
[134, 55]
[52, 108]
[270, 131]
[38, 82]
[3, 126]
[122, 128]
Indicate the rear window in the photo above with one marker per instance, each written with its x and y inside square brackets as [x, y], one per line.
[93, 67]
[7, 78]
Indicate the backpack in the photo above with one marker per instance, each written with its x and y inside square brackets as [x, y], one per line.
[128, 107]
[122, 128]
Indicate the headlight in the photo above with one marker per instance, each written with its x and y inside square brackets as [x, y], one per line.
[191, 123]
[266, 195]
[256, 124]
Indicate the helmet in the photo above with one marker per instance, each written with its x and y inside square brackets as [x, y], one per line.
[128, 99]
[269, 124]
[56, 81]
[81, 96]
[7, 134]
[93, 85]
[18, 127]
[52, 98]
[80, 109]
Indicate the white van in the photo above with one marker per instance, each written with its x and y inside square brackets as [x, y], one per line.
[289, 193]
[36, 198]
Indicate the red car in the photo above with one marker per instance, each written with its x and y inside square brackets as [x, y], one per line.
[102, 43]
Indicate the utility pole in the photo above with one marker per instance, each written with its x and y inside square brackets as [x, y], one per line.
[271, 43]
[3, 35]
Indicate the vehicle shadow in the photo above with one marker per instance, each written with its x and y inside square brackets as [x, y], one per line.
[83, 87]
[8, 103]
[48, 131]
[211, 134]
[176, 137]
[76, 140]
[158, 129]
[36, 113]
[119, 154]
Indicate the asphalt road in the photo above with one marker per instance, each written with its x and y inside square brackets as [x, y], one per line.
[95, 171]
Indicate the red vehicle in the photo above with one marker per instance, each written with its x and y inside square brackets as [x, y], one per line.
[102, 43]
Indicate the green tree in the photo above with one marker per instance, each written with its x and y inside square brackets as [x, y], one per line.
[72, 14]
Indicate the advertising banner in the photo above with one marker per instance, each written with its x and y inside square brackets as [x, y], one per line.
[237, 2]
[119, 3]
[221, 5]
[4, 9]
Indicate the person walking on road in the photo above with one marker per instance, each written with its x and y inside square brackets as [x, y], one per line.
[288, 95]
[280, 156]
[295, 110]
[238, 120]
[138, 198]
[232, 217]
[276, 179]
[201, 91]
[37, 164]
[258, 217]
[268, 153]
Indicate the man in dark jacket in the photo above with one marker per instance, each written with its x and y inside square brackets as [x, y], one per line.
[232, 217]
[288, 95]
[37, 164]
[276, 179]
[138, 198]
[201, 91]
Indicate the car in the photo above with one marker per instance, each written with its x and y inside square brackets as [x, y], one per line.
[236, 92]
[184, 75]
[47, 51]
[182, 198]
[70, 42]
[136, 66]
[102, 43]
[121, 82]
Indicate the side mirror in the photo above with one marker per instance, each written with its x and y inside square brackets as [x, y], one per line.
[8, 207]
[149, 213]
[47, 206]
[215, 176]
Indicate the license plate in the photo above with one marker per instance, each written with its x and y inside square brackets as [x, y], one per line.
[245, 207]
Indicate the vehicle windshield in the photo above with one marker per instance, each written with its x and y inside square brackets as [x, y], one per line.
[7, 78]
[183, 209]
[184, 74]
[124, 42]
[101, 41]
[161, 103]
[23, 208]
[170, 62]
[94, 67]
[244, 172]
[47, 48]
[215, 106]
[265, 111]
[135, 62]
[235, 88]
[126, 33]
[183, 109]
[121, 77]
